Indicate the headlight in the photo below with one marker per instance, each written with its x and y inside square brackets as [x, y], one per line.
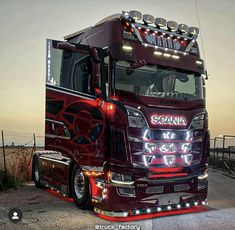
[135, 118]
[121, 178]
[198, 121]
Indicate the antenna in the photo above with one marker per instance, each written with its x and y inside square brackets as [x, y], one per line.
[199, 25]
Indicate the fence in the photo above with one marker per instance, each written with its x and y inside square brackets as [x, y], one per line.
[16, 153]
[222, 154]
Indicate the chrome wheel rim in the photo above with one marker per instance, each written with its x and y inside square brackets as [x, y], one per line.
[79, 184]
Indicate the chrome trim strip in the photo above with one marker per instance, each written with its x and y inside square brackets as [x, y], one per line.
[54, 160]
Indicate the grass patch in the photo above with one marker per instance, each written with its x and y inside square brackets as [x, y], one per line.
[8, 182]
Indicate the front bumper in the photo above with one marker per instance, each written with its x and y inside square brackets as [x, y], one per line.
[146, 197]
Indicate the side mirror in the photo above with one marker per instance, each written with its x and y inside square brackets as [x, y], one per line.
[95, 55]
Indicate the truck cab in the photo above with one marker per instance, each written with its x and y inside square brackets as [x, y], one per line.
[126, 125]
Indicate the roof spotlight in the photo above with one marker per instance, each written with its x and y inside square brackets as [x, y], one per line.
[182, 28]
[172, 25]
[160, 22]
[135, 15]
[148, 19]
[193, 31]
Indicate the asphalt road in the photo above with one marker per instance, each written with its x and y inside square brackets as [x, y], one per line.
[43, 210]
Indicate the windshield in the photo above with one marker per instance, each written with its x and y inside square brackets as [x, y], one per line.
[158, 81]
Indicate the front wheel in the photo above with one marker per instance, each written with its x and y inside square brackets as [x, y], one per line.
[79, 185]
[36, 173]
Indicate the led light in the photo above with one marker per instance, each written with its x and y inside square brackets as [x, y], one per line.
[178, 206]
[145, 44]
[160, 22]
[188, 158]
[166, 55]
[175, 57]
[187, 205]
[166, 49]
[127, 48]
[203, 202]
[135, 15]
[157, 53]
[185, 39]
[125, 214]
[148, 210]
[195, 203]
[159, 209]
[186, 147]
[139, 28]
[189, 135]
[172, 25]
[175, 51]
[169, 135]
[168, 148]
[169, 159]
[137, 212]
[185, 53]
[168, 207]
[150, 147]
[182, 28]
[199, 62]
[193, 30]
[156, 47]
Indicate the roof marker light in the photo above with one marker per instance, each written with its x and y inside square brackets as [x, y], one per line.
[127, 48]
[157, 53]
[160, 22]
[172, 25]
[166, 55]
[183, 28]
[148, 19]
[135, 15]
[175, 57]
[199, 62]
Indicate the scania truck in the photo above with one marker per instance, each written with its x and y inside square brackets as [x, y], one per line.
[126, 128]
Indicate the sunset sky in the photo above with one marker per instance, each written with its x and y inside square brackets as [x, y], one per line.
[25, 25]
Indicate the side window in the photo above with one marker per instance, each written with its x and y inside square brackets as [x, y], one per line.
[82, 76]
[69, 69]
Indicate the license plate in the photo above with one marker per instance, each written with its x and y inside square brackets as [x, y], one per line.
[168, 199]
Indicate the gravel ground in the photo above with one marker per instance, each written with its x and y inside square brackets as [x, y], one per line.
[43, 210]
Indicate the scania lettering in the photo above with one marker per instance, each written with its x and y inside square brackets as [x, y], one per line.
[126, 128]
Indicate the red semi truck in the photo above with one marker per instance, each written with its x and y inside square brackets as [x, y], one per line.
[126, 126]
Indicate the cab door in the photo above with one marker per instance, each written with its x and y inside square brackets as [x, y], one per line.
[75, 118]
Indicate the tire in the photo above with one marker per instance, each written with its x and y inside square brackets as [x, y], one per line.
[79, 186]
[36, 173]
